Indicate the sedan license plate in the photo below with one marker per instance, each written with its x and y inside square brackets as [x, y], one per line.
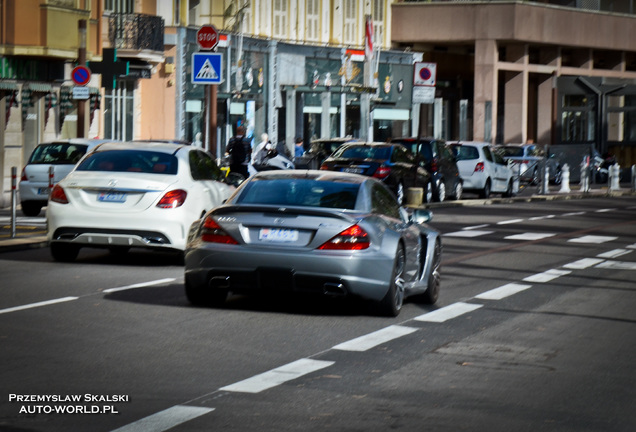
[278, 235]
[353, 170]
[44, 191]
[117, 197]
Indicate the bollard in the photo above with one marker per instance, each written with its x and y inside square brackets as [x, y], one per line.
[585, 178]
[633, 178]
[614, 173]
[415, 196]
[565, 179]
[14, 200]
[515, 182]
[545, 189]
[51, 176]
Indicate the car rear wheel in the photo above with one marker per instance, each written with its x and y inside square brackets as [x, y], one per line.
[399, 192]
[392, 302]
[508, 192]
[64, 252]
[485, 192]
[204, 296]
[31, 209]
[429, 193]
[459, 190]
[441, 191]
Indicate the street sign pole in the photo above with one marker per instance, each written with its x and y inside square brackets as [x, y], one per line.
[81, 104]
[207, 39]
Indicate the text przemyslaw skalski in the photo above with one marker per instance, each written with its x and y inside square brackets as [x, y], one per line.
[58, 398]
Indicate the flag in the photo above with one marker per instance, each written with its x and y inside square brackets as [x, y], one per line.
[368, 39]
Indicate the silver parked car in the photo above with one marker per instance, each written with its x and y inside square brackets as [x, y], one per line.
[323, 232]
[482, 169]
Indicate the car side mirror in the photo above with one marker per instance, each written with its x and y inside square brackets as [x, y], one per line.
[422, 216]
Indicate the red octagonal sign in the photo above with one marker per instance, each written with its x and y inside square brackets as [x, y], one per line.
[207, 37]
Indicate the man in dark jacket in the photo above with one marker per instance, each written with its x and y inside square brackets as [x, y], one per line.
[239, 150]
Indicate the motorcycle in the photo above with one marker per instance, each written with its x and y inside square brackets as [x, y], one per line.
[272, 161]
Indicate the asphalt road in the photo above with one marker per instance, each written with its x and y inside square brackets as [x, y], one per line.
[534, 330]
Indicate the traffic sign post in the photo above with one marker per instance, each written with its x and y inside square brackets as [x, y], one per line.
[207, 37]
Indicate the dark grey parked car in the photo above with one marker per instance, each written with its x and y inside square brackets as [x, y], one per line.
[438, 159]
[321, 232]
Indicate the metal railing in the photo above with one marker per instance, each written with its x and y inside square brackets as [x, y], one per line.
[136, 32]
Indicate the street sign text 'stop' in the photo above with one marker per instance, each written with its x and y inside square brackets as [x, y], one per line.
[207, 37]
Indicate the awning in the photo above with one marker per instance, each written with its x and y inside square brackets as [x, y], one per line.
[39, 87]
[4, 85]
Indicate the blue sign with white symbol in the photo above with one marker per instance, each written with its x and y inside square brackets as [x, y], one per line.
[207, 68]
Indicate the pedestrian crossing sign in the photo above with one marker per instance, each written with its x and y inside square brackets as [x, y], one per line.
[207, 68]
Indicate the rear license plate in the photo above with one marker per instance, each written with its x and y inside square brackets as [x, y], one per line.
[111, 197]
[278, 235]
[44, 191]
[353, 170]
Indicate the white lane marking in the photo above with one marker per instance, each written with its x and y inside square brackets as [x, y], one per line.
[633, 246]
[166, 419]
[366, 342]
[529, 236]
[592, 239]
[536, 218]
[34, 305]
[474, 233]
[451, 311]
[614, 253]
[140, 285]
[573, 214]
[511, 221]
[503, 291]
[583, 263]
[277, 376]
[475, 227]
[605, 210]
[617, 265]
[547, 276]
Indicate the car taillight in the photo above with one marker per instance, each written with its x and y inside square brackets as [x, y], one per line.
[434, 165]
[58, 195]
[382, 172]
[480, 167]
[173, 199]
[353, 238]
[24, 176]
[324, 167]
[213, 233]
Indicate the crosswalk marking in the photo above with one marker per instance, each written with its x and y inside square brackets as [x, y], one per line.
[546, 276]
[614, 253]
[583, 263]
[468, 234]
[366, 342]
[529, 236]
[503, 291]
[166, 419]
[448, 312]
[617, 265]
[592, 239]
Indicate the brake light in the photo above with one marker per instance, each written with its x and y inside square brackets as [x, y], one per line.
[213, 233]
[480, 167]
[434, 165]
[24, 176]
[382, 172]
[324, 167]
[353, 238]
[58, 195]
[173, 199]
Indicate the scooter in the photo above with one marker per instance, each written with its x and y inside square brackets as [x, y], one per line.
[274, 161]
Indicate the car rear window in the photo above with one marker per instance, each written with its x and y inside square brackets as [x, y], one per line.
[300, 192]
[510, 151]
[363, 152]
[130, 161]
[464, 152]
[57, 154]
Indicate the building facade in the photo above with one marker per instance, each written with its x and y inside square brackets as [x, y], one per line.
[559, 73]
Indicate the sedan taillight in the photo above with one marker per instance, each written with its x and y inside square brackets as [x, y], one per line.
[353, 238]
[382, 172]
[173, 199]
[480, 167]
[58, 195]
[213, 233]
[24, 176]
[324, 167]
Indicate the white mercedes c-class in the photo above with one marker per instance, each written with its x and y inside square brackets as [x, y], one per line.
[124, 195]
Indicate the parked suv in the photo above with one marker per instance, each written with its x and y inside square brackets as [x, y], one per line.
[62, 155]
[438, 159]
[482, 169]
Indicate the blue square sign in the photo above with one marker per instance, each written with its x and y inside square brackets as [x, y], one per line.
[207, 68]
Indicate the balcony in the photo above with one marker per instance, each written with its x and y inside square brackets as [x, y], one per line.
[137, 36]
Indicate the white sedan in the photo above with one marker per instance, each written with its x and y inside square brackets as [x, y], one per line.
[124, 195]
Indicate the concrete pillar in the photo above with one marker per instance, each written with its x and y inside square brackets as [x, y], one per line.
[485, 93]
[544, 110]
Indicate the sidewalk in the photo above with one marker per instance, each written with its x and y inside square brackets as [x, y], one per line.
[33, 237]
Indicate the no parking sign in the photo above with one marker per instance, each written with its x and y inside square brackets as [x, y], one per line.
[424, 74]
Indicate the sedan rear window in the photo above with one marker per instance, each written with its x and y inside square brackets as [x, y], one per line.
[464, 152]
[299, 192]
[130, 161]
[57, 154]
[363, 152]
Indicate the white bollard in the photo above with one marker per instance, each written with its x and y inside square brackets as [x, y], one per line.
[614, 173]
[565, 179]
[585, 178]
[633, 178]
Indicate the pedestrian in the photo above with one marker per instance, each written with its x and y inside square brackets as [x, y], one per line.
[239, 151]
[299, 150]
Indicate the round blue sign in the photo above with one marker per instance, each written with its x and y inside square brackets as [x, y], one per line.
[425, 74]
[81, 75]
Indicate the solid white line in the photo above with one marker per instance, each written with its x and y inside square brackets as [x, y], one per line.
[503, 291]
[376, 338]
[547, 276]
[277, 376]
[511, 221]
[34, 305]
[140, 285]
[614, 253]
[583, 263]
[529, 236]
[166, 419]
[448, 312]
[474, 233]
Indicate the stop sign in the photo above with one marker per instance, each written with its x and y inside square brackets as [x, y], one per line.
[207, 37]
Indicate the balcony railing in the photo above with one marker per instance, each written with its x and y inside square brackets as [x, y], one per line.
[136, 32]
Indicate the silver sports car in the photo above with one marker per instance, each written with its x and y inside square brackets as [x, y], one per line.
[323, 232]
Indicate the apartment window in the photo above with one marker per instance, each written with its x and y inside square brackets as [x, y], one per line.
[120, 6]
[350, 21]
[280, 19]
[313, 15]
[247, 17]
[378, 21]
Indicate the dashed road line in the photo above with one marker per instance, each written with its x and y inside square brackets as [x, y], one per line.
[140, 285]
[583, 263]
[529, 236]
[503, 291]
[451, 311]
[511, 221]
[166, 419]
[371, 340]
[592, 239]
[38, 304]
[468, 233]
[617, 265]
[546, 276]
[614, 253]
